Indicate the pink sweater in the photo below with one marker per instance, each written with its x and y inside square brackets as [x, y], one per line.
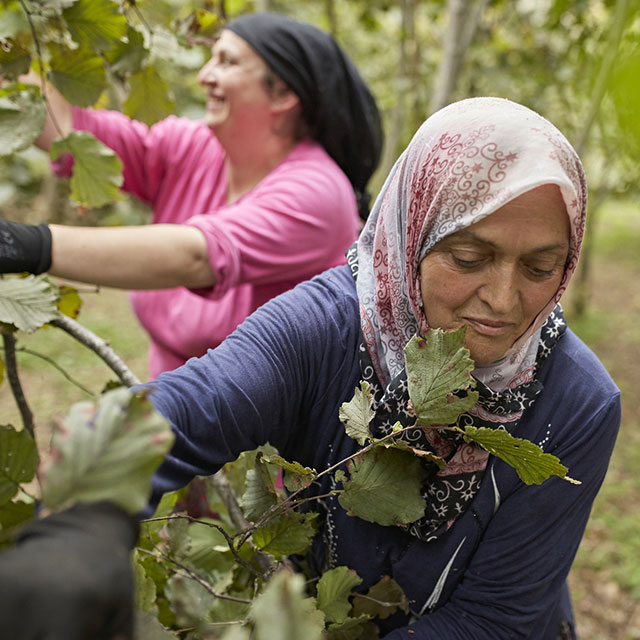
[294, 224]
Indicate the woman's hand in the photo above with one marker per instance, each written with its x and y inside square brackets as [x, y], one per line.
[70, 577]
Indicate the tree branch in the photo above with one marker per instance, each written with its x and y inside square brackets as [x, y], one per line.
[9, 342]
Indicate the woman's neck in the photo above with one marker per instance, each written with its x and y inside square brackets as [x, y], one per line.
[249, 163]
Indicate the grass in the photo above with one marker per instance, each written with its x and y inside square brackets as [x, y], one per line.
[605, 579]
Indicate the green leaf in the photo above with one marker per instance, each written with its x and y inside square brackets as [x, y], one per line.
[55, 5]
[436, 367]
[188, 599]
[281, 611]
[77, 74]
[403, 445]
[70, 302]
[127, 57]
[2, 370]
[148, 627]
[18, 461]
[529, 460]
[95, 24]
[22, 115]
[383, 599]
[296, 476]
[13, 22]
[334, 590]
[27, 303]
[97, 171]
[108, 452]
[358, 413]
[260, 494]
[15, 514]
[351, 629]
[209, 549]
[384, 487]
[178, 540]
[148, 99]
[145, 593]
[288, 534]
[14, 60]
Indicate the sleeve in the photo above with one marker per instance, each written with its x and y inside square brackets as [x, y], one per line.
[256, 387]
[297, 223]
[142, 150]
[516, 575]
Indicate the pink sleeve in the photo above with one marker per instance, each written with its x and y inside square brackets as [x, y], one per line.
[298, 222]
[142, 150]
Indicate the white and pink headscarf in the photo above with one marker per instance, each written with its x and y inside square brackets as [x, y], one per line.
[464, 162]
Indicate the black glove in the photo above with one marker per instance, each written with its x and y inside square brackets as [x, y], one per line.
[70, 577]
[24, 247]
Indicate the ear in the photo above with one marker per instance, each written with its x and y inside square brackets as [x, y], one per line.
[284, 99]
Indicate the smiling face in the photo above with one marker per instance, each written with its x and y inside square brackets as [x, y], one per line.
[498, 274]
[235, 81]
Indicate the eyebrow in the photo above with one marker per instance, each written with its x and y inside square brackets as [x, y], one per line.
[465, 234]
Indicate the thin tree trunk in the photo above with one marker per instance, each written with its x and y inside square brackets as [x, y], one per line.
[332, 17]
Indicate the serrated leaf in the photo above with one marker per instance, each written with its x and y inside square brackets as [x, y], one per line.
[260, 493]
[436, 367]
[528, 459]
[357, 414]
[105, 452]
[178, 540]
[281, 611]
[383, 599]
[145, 590]
[384, 487]
[287, 534]
[97, 171]
[209, 550]
[148, 99]
[70, 302]
[350, 629]
[14, 60]
[403, 445]
[334, 591]
[22, 116]
[296, 476]
[127, 57]
[27, 303]
[18, 461]
[15, 514]
[77, 74]
[95, 24]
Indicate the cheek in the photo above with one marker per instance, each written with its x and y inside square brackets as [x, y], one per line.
[535, 298]
[443, 294]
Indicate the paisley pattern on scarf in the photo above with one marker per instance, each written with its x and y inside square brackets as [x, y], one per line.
[465, 162]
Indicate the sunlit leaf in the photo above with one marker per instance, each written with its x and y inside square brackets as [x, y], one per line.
[27, 303]
[127, 57]
[14, 60]
[282, 611]
[383, 599]
[22, 115]
[287, 534]
[358, 413]
[435, 368]
[528, 459]
[148, 99]
[77, 74]
[13, 22]
[148, 627]
[384, 487]
[145, 593]
[97, 171]
[209, 550]
[18, 461]
[105, 452]
[95, 24]
[57, 5]
[296, 476]
[334, 591]
[70, 302]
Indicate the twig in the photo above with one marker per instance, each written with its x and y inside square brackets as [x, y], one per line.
[9, 342]
[55, 365]
[194, 576]
[102, 348]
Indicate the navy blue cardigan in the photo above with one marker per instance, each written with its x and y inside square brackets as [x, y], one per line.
[500, 571]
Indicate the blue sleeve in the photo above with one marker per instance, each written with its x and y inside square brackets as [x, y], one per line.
[514, 581]
[260, 385]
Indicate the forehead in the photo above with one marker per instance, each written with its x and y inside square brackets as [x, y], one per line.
[232, 43]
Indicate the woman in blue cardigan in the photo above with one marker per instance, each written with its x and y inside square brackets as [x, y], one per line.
[479, 224]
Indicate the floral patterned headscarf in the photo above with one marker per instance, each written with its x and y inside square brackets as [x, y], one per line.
[465, 162]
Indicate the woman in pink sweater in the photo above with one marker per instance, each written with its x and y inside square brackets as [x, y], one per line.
[263, 194]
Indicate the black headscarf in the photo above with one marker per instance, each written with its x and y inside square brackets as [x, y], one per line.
[337, 104]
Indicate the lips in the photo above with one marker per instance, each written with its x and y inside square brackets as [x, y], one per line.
[488, 327]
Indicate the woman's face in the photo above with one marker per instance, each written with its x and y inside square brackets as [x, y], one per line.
[498, 274]
[234, 79]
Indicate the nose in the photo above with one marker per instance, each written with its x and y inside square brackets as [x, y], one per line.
[501, 290]
[207, 75]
